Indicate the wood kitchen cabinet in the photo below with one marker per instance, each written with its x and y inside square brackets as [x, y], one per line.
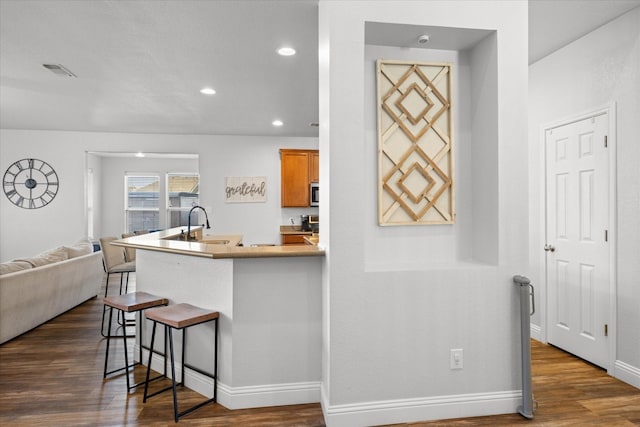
[293, 239]
[298, 169]
[314, 166]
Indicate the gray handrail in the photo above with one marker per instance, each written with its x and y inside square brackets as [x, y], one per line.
[524, 281]
[526, 409]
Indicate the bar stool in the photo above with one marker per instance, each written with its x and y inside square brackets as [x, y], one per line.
[182, 316]
[114, 262]
[130, 303]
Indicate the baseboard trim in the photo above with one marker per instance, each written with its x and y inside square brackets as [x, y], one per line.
[422, 409]
[627, 373]
[536, 332]
[268, 395]
[248, 396]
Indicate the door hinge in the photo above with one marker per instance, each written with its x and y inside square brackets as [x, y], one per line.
[606, 142]
[606, 330]
[606, 235]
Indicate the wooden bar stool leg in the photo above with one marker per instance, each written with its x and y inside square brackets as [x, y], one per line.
[215, 362]
[184, 345]
[164, 374]
[135, 302]
[106, 357]
[200, 371]
[146, 382]
[126, 355]
[173, 376]
[181, 317]
[104, 307]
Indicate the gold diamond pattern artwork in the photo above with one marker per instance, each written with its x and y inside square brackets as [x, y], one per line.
[415, 143]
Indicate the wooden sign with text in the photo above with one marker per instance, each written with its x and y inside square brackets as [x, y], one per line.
[246, 189]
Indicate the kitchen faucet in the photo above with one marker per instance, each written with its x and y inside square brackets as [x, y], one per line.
[188, 237]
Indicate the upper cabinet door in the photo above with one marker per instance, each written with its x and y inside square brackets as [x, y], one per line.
[298, 169]
[294, 178]
[314, 166]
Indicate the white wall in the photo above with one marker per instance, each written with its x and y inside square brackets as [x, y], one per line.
[93, 180]
[598, 69]
[388, 331]
[26, 232]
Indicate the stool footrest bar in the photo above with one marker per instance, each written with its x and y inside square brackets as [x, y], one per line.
[198, 406]
[121, 369]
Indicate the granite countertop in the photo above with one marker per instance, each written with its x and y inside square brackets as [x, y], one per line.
[213, 246]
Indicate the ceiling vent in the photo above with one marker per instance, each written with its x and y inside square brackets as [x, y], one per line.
[59, 69]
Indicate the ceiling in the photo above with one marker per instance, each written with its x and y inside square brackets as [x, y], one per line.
[141, 64]
[554, 24]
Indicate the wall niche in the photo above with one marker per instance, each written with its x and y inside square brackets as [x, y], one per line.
[471, 236]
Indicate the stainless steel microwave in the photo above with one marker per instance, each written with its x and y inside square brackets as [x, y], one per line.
[314, 194]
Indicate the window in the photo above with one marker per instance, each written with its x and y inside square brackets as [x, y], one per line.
[142, 202]
[182, 195]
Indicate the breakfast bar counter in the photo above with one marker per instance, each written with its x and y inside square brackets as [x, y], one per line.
[212, 246]
[269, 299]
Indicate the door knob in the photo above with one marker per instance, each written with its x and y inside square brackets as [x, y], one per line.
[549, 248]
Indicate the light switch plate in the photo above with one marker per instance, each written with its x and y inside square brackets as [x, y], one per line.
[456, 360]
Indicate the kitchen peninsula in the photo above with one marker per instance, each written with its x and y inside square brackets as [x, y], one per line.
[269, 299]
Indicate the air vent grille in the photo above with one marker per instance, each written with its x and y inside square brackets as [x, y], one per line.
[59, 69]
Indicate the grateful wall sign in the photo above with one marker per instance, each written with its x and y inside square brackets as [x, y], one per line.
[245, 189]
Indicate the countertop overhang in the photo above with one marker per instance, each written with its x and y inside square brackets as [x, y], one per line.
[164, 241]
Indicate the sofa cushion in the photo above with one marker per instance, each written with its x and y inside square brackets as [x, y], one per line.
[81, 247]
[13, 266]
[49, 257]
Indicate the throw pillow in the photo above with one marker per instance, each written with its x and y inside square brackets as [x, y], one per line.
[80, 248]
[55, 255]
[13, 266]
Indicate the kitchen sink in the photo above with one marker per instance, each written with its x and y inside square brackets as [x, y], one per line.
[215, 242]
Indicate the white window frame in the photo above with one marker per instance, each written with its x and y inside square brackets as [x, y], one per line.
[169, 208]
[128, 209]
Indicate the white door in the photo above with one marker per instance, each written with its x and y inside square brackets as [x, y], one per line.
[577, 223]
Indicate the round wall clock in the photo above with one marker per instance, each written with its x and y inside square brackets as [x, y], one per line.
[30, 183]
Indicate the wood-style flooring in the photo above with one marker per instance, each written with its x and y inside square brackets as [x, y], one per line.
[52, 376]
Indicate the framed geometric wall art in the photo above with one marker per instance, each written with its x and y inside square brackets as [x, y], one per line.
[415, 143]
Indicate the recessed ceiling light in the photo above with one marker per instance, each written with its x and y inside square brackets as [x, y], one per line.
[208, 91]
[423, 39]
[277, 123]
[286, 51]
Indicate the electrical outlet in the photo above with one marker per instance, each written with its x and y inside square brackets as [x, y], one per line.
[456, 358]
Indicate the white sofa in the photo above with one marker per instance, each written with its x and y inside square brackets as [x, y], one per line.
[35, 290]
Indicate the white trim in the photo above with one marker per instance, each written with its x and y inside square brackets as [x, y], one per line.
[324, 401]
[627, 373]
[268, 395]
[536, 332]
[609, 109]
[420, 409]
[542, 238]
[612, 143]
[242, 397]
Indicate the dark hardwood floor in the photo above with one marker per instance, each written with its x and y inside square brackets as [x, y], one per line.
[52, 376]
